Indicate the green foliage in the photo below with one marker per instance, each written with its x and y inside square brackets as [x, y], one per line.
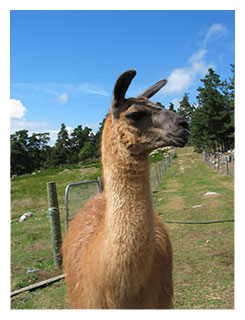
[175, 156]
[62, 151]
[157, 156]
[185, 108]
[87, 151]
[212, 122]
[32, 153]
[28, 153]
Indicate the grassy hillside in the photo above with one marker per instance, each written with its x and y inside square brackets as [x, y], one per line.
[31, 240]
[203, 254]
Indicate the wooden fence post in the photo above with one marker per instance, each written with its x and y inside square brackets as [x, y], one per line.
[157, 176]
[153, 178]
[100, 184]
[227, 166]
[54, 216]
[160, 170]
[165, 165]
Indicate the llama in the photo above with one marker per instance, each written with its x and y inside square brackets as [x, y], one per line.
[117, 253]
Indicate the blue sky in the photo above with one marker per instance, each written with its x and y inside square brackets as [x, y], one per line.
[63, 64]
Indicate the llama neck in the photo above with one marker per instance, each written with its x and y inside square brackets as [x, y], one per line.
[129, 212]
[128, 190]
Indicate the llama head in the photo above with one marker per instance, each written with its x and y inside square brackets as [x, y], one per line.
[141, 125]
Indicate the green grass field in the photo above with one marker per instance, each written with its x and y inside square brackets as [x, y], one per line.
[203, 254]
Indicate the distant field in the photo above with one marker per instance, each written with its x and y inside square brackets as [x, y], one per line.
[203, 254]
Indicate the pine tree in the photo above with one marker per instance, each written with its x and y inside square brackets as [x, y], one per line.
[61, 152]
[185, 108]
[228, 89]
[211, 125]
[20, 157]
[38, 149]
[198, 128]
[77, 142]
[28, 153]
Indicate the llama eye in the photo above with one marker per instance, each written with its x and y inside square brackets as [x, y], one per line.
[135, 116]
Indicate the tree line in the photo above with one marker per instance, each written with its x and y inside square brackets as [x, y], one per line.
[30, 153]
[211, 120]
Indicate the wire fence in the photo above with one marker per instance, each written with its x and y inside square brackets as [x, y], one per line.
[221, 162]
[158, 170]
[79, 193]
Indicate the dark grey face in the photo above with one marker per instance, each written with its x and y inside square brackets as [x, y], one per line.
[146, 125]
[164, 127]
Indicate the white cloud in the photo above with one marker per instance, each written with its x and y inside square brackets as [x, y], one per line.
[92, 88]
[99, 92]
[18, 122]
[197, 56]
[217, 30]
[180, 79]
[21, 124]
[63, 98]
[17, 109]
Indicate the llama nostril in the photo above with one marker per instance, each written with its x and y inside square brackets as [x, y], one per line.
[184, 124]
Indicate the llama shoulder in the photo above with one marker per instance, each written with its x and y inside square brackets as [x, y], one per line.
[86, 224]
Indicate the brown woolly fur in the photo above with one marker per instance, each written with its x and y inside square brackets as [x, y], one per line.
[96, 282]
[117, 253]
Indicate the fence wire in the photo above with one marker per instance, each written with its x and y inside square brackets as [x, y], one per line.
[78, 194]
[159, 169]
[221, 162]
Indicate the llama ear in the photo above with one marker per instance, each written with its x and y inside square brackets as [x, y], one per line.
[153, 89]
[120, 90]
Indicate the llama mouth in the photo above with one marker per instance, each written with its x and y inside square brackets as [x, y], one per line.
[180, 140]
